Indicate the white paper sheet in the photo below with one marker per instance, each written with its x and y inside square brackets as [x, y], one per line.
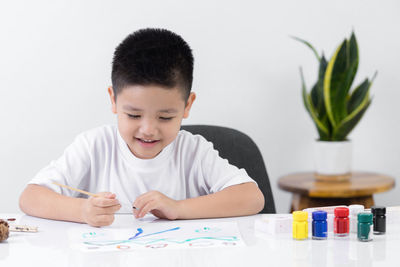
[171, 235]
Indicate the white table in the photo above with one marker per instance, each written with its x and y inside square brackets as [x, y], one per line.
[50, 247]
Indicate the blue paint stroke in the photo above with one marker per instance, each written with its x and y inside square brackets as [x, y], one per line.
[168, 230]
[139, 231]
[116, 242]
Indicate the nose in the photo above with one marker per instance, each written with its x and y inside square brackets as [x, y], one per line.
[148, 128]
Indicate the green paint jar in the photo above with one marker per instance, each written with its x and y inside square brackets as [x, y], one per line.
[364, 226]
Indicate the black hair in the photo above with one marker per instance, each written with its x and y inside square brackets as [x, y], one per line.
[153, 56]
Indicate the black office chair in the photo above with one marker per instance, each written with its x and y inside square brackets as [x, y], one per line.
[241, 151]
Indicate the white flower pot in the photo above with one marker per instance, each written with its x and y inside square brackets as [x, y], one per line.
[333, 160]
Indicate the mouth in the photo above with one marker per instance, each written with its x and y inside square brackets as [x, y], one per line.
[147, 142]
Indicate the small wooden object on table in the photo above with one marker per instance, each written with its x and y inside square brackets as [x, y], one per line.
[310, 192]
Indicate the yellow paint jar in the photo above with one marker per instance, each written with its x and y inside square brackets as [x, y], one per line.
[300, 225]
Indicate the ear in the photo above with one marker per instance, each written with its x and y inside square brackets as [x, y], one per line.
[113, 100]
[189, 104]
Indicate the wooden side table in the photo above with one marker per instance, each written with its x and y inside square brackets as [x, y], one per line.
[309, 192]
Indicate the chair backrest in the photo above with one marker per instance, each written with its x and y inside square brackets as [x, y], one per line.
[241, 151]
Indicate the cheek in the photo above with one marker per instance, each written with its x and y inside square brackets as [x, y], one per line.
[125, 126]
[172, 130]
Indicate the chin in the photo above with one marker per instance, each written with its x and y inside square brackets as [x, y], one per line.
[148, 155]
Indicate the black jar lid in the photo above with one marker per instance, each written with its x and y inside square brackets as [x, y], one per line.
[378, 210]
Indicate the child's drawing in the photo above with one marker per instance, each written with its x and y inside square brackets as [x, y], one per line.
[160, 236]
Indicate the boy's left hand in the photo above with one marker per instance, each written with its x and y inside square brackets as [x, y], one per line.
[158, 204]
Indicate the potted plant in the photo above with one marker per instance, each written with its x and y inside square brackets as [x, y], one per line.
[335, 108]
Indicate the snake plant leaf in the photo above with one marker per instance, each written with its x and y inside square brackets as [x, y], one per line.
[347, 125]
[339, 76]
[334, 85]
[353, 59]
[309, 45]
[320, 88]
[325, 121]
[331, 80]
[358, 95]
[322, 129]
[317, 91]
[314, 95]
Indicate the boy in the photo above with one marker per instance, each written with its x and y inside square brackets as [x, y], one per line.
[146, 160]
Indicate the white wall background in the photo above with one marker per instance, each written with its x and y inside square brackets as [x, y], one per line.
[55, 63]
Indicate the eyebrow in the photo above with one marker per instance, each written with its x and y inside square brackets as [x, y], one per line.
[168, 110]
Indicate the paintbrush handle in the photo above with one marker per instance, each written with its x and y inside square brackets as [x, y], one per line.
[86, 193]
[77, 190]
[23, 228]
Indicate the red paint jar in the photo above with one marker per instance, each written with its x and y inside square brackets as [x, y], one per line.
[341, 224]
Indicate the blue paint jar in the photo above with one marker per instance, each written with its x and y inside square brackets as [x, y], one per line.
[319, 225]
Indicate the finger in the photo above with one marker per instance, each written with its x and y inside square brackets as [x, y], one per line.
[104, 211]
[136, 213]
[103, 220]
[139, 208]
[111, 196]
[147, 208]
[108, 210]
[105, 194]
[104, 202]
[141, 200]
[158, 213]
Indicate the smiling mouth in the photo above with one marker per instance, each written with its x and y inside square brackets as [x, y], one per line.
[147, 141]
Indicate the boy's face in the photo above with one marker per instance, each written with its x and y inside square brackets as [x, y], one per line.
[149, 117]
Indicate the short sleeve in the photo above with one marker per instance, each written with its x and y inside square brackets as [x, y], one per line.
[70, 169]
[218, 172]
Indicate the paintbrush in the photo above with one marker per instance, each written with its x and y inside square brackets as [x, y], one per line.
[88, 193]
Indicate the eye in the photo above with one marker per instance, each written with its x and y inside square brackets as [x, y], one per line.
[166, 118]
[133, 116]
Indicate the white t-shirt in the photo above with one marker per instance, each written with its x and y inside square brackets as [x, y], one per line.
[99, 160]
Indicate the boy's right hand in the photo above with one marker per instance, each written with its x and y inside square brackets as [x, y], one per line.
[99, 211]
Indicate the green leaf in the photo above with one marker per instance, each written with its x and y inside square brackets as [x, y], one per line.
[314, 95]
[339, 76]
[307, 44]
[338, 82]
[321, 74]
[341, 132]
[329, 85]
[342, 67]
[322, 129]
[353, 59]
[358, 95]
[317, 92]
[325, 121]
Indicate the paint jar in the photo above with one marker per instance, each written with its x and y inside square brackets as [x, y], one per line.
[379, 213]
[364, 231]
[341, 223]
[300, 225]
[319, 225]
[354, 210]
